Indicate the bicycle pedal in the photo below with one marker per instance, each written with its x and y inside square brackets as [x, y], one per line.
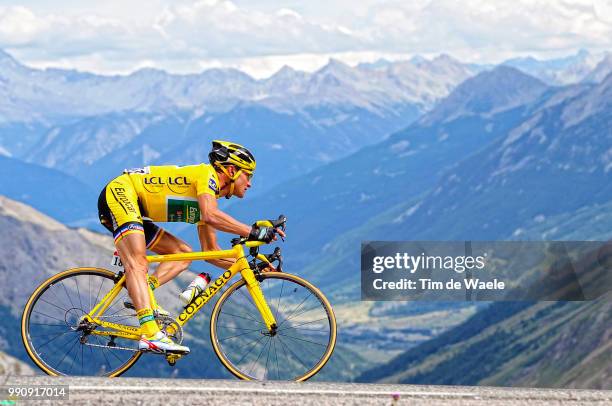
[172, 358]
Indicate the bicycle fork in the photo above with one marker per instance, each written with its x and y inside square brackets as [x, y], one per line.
[254, 289]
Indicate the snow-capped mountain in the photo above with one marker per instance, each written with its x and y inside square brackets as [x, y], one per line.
[559, 71]
[599, 73]
[92, 125]
[488, 93]
[38, 95]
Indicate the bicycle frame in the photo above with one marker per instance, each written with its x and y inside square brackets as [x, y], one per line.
[240, 266]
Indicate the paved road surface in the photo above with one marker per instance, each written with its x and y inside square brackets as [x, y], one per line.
[138, 391]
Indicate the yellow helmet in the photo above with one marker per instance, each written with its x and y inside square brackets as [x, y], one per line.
[229, 153]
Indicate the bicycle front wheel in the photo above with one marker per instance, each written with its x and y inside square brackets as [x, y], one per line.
[305, 336]
[52, 329]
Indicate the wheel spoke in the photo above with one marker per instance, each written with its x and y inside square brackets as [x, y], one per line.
[252, 347]
[240, 317]
[301, 339]
[292, 353]
[76, 353]
[47, 334]
[54, 305]
[259, 356]
[302, 313]
[64, 357]
[239, 328]
[237, 335]
[46, 315]
[302, 324]
[280, 295]
[55, 337]
[67, 295]
[276, 358]
[88, 294]
[52, 289]
[104, 354]
[248, 300]
[268, 358]
[98, 294]
[76, 282]
[295, 310]
[82, 358]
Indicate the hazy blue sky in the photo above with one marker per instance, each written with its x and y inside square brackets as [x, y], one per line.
[259, 36]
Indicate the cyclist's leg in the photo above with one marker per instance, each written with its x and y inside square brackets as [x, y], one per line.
[119, 212]
[166, 243]
[132, 249]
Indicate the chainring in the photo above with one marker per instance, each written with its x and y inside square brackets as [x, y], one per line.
[169, 326]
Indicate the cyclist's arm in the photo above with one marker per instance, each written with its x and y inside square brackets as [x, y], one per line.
[208, 241]
[215, 218]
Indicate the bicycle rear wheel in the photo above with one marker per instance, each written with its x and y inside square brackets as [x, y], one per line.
[53, 334]
[302, 345]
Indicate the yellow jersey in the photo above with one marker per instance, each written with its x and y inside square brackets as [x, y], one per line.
[169, 193]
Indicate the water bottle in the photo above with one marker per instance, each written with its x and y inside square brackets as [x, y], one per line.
[196, 287]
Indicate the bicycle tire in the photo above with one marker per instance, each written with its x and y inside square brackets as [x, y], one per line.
[35, 306]
[293, 284]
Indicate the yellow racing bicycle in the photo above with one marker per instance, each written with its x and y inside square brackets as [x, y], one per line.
[265, 326]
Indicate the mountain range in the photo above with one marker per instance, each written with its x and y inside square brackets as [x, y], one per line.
[581, 67]
[53, 94]
[93, 126]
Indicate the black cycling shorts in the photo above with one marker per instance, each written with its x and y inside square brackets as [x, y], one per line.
[152, 232]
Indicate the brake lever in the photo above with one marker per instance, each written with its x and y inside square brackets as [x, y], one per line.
[282, 222]
[275, 256]
[279, 268]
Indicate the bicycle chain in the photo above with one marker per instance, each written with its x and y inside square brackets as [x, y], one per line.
[118, 315]
[111, 347]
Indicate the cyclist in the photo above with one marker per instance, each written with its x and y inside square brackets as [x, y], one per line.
[130, 203]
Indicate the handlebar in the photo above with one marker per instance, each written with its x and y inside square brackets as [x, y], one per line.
[279, 223]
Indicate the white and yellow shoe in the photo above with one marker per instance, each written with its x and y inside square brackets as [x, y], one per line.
[161, 344]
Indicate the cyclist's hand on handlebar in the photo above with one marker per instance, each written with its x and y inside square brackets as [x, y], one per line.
[260, 233]
[266, 230]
